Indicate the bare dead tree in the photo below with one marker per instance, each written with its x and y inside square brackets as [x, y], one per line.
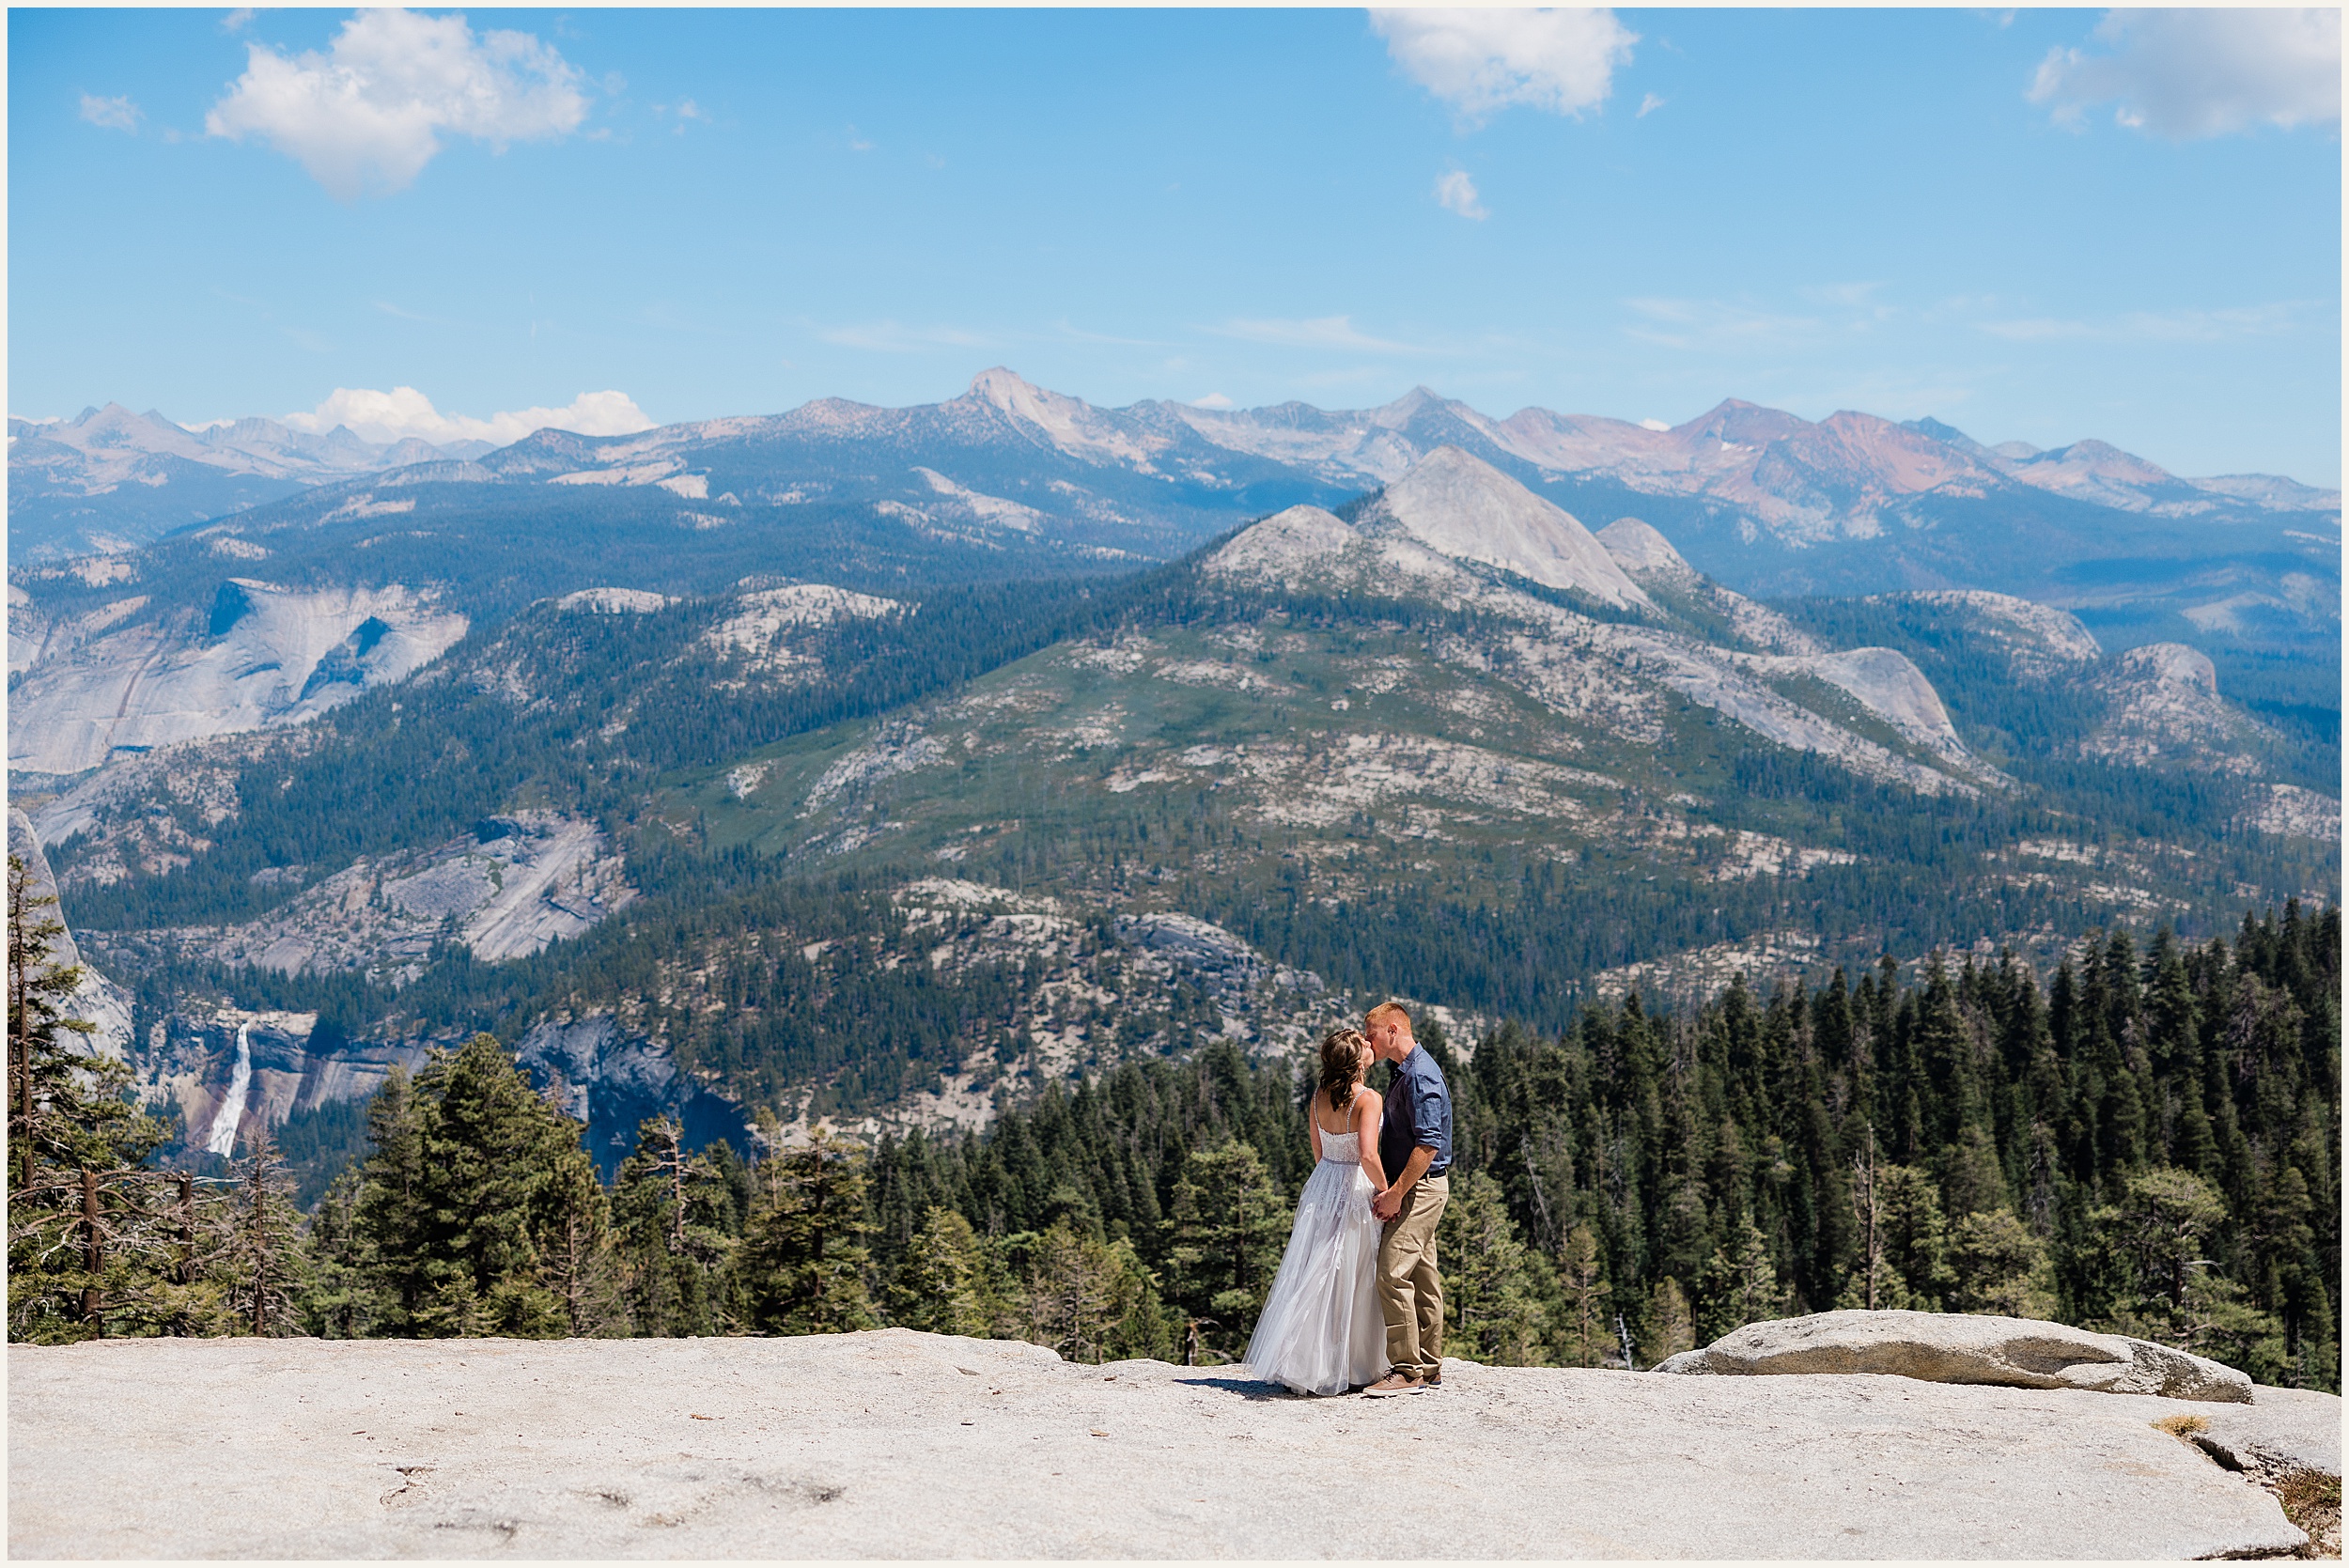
[93, 1254]
[1867, 1200]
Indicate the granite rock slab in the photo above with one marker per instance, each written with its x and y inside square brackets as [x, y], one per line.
[898, 1444]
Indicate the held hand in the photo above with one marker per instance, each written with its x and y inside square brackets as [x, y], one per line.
[1387, 1204]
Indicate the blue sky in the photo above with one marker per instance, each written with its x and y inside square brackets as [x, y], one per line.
[2045, 226]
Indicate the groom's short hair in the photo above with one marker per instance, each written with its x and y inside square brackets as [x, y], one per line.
[1388, 1012]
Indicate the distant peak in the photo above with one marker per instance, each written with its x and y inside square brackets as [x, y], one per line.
[998, 382]
[1449, 456]
[1938, 431]
[1411, 402]
[1462, 506]
[1014, 395]
[1735, 419]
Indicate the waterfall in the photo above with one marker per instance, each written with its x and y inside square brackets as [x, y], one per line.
[223, 1136]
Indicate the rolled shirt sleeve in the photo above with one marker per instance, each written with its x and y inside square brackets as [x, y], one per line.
[1424, 1119]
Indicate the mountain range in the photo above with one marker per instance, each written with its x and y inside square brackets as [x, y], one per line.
[108, 478]
[1759, 499]
[824, 810]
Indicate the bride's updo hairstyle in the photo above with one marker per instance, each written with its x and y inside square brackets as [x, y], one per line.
[1345, 1057]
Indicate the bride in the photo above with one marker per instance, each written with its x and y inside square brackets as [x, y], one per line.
[1321, 1332]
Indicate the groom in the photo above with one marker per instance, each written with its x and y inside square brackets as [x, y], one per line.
[1415, 1148]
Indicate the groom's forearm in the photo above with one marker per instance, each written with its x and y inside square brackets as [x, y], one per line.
[1414, 1168]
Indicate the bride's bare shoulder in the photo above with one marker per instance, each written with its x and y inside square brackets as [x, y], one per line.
[1366, 1095]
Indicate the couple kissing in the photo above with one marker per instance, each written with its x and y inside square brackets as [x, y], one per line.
[1359, 1303]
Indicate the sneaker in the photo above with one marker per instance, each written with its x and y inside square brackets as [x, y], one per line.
[1393, 1383]
[1433, 1380]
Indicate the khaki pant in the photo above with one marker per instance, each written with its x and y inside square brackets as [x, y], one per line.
[1410, 1291]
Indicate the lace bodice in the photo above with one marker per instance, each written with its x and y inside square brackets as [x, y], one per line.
[1342, 1148]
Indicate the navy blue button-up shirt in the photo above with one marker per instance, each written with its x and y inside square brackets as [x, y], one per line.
[1418, 1112]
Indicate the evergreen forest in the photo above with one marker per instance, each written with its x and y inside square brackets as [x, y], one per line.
[2146, 1141]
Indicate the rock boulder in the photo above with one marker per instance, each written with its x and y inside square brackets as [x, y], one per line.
[1956, 1347]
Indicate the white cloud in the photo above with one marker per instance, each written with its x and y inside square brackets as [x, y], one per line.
[370, 112]
[1482, 61]
[1456, 192]
[1654, 424]
[405, 412]
[1321, 331]
[114, 114]
[1648, 105]
[2187, 73]
[1212, 400]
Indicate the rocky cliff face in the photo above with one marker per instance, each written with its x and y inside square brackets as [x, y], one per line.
[504, 891]
[228, 1070]
[2165, 707]
[596, 1072]
[97, 1000]
[112, 682]
[518, 884]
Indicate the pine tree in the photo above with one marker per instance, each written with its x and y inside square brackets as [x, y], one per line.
[1739, 1286]
[677, 1219]
[1225, 1228]
[947, 1283]
[1872, 1287]
[264, 1263]
[575, 1244]
[1493, 1286]
[2150, 1243]
[1971, 1177]
[1091, 1300]
[87, 1243]
[1916, 1236]
[343, 1300]
[1998, 1266]
[1587, 1330]
[388, 1239]
[1671, 1328]
[803, 1261]
[469, 1201]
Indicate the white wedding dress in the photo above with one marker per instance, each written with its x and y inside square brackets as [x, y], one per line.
[1321, 1332]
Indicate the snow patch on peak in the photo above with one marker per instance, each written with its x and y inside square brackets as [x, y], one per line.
[1463, 507]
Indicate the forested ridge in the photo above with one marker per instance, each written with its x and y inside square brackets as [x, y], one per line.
[2145, 1137]
[617, 724]
[2145, 1141]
